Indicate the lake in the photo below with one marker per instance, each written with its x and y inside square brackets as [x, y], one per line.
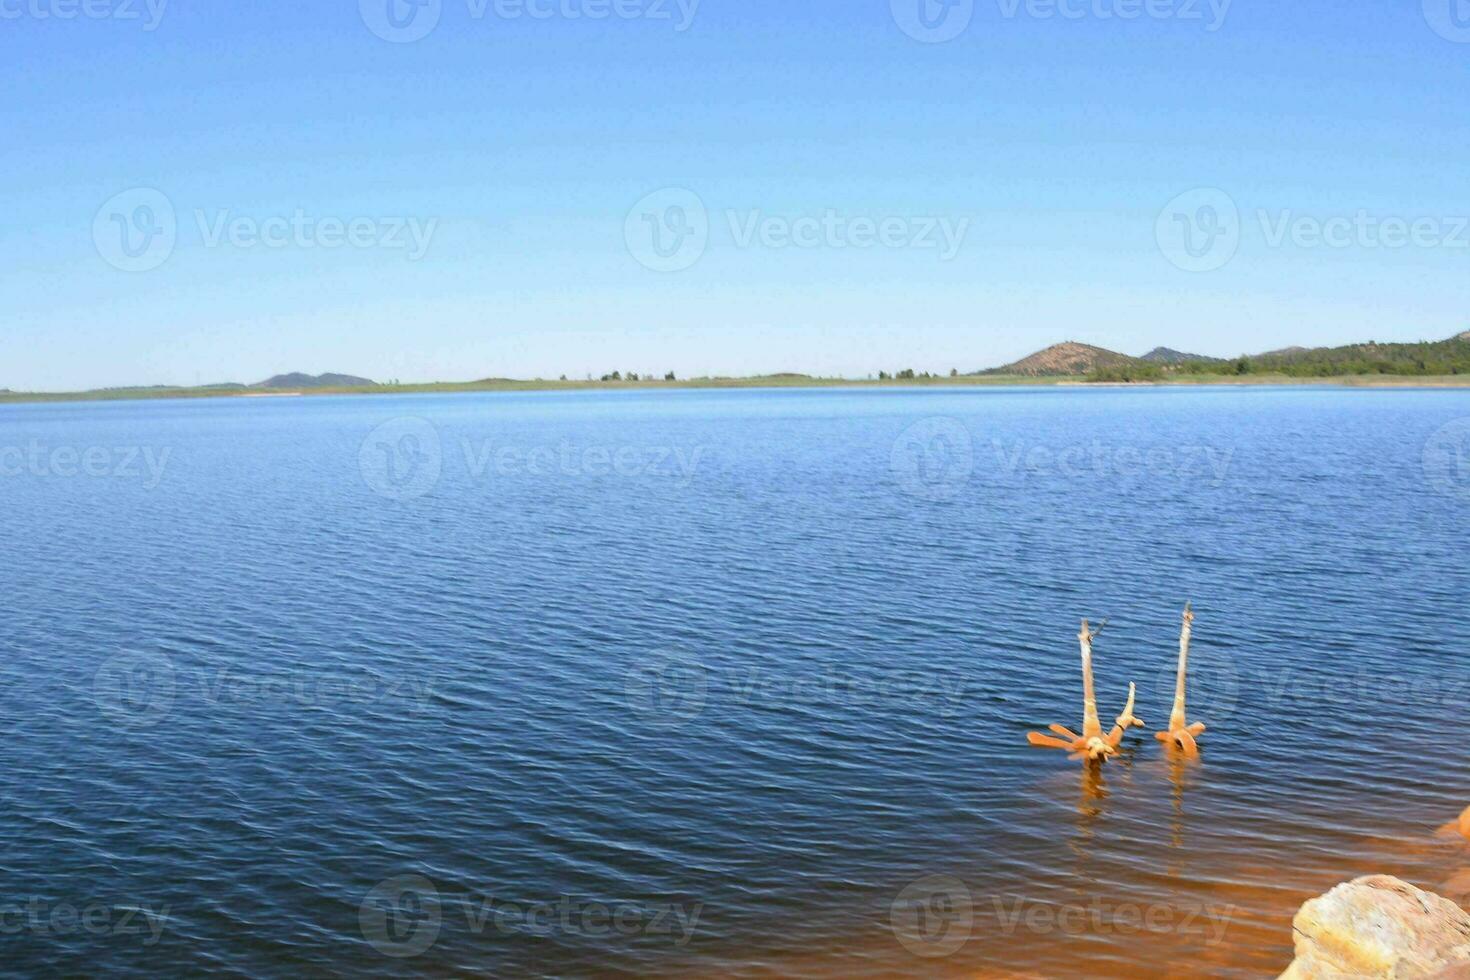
[720, 683]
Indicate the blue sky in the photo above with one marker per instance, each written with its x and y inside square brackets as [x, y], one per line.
[1063, 148]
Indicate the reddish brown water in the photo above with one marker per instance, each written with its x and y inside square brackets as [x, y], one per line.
[1114, 887]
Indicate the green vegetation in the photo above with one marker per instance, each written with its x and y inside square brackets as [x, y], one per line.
[1430, 359]
[1440, 363]
[1127, 373]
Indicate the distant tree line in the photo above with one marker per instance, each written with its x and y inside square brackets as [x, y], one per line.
[908, 375]
[1443, 357]
[632, 376]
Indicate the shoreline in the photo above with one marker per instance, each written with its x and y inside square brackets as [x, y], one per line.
[768, 381]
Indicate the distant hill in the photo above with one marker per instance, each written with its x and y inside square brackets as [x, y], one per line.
[1065, 358]
[1426, 358]
[1433, 357]
[1168, 355]
[298, 380]
[1437, 357]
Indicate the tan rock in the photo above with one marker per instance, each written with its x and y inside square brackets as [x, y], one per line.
[1380, 927]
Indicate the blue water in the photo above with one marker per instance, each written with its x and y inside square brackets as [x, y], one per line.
[698, 683]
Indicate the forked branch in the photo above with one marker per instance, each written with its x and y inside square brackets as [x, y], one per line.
[1092, 744]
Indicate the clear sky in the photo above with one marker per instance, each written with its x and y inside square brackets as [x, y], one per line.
[828, 186]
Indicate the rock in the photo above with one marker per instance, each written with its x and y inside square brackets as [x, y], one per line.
[1380, 927]
[1465, 822]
